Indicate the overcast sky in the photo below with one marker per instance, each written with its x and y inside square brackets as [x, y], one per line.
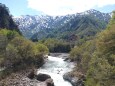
[56, 7]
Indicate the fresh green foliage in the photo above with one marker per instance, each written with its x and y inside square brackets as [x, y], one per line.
[96, 58]
[17, 52]
[55, 45]
[83, 54]
[42, 48]
[9, 34]
[112, 22]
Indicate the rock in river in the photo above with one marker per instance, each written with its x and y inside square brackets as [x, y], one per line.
[49, 82]
[75, 81]
[42, 77]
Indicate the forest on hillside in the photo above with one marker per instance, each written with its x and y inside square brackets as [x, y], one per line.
[17, 52]
[96, 58]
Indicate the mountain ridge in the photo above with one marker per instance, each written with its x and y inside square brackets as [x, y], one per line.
[31, 25]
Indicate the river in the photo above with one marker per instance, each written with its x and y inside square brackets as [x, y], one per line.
[56, 67]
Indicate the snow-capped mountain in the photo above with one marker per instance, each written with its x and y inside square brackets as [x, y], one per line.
[29, 25]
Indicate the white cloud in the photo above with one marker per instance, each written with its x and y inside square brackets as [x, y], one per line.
[63, 7]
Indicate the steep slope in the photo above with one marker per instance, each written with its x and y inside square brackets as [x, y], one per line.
[95, 58]
[82, 24]
[87, 25]
[6, 20]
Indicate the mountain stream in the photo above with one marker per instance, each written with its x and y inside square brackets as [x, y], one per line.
[56, 67]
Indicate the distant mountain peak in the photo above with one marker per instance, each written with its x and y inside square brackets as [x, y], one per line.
[93, 10]
[30, 25]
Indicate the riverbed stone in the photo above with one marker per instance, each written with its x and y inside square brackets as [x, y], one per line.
[31, 75]
[66, 59]
[42, 77]
[75, 81]
[20, 79]
[49, 82]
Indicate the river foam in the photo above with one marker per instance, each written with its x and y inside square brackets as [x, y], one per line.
[56, 67]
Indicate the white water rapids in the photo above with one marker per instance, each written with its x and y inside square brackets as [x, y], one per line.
[56, 67]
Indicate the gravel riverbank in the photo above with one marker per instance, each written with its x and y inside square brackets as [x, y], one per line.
[20, 79]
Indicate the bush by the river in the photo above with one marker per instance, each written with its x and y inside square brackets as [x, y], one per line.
[96, 58]
[16, 52]
[56, 45]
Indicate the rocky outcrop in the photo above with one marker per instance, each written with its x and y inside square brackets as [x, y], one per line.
[26, 78]
[75, 81]
[20, 78]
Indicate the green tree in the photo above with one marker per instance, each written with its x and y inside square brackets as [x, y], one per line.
[102, 65]
[6, 20]
[42, 48]
[83, 54]
[55, 45]
[9, 34]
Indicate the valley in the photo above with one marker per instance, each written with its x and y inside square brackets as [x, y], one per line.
[70, 50]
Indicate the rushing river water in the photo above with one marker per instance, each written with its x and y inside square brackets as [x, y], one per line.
[56, 67]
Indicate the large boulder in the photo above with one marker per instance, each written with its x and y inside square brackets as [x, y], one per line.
[49, 82]
[42, 77]
[45, 78]
[31, 75]
[75, 81]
